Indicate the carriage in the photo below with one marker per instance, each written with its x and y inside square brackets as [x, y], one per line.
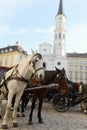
[62, 102]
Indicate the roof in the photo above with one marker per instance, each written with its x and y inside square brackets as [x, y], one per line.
[12, 48]
[80, 55]
[45, 44]
[61, 9]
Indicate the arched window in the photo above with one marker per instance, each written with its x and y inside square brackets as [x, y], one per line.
[59, 35]
[55, 36]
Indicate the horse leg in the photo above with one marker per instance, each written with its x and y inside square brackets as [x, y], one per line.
[13, 101]
[39, 111]
[26, 101]
[18, 111]
[84, 107]
[0, 108]
[31, 113]
[17, 99]
[23, 106]
[8, 106]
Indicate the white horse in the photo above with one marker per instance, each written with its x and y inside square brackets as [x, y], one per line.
[15, 81]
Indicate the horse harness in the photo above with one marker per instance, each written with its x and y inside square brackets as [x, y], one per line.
[20, 77]
[33, 62]
[12, 77]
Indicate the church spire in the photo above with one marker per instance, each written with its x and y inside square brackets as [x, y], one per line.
[60, 10]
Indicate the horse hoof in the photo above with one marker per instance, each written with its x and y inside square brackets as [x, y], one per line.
[85, 112]
[4, 126]
[30, 123]
[15, 124]
[40, 121]
[18, 115]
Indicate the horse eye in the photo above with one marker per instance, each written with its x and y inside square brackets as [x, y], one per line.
[44, 65]
[36, 60]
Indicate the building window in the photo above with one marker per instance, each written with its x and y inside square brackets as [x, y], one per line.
[0, 62]
[63, 36]
[5, 61]
[76, 75]
[86, 68]
[55, 36]
[70, 75]
[44, 50]
[10, 49]
[85, 75]
[81, 76]
[2, 51]
[81, 67]
[6, 50]
[59, 35]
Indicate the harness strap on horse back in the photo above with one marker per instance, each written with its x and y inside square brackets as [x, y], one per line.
[21, 78]
[12, 77]
[4, 83]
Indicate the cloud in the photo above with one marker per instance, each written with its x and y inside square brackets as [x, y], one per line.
[20, 31]
[6, 30]
[45, 31]
[7, 7]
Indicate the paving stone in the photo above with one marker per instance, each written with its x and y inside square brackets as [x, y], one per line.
[73, 119]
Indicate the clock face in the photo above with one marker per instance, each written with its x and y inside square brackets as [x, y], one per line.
[58, 63]
[44, 49]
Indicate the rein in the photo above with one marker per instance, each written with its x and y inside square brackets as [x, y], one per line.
[36, 70]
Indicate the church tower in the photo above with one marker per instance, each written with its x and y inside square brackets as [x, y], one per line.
[58, 56]
[59, 48]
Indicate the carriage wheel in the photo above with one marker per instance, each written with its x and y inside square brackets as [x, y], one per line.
[60, 102]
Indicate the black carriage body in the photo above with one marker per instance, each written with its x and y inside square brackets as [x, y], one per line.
[62, 102]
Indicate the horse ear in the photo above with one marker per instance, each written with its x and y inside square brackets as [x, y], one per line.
[57, 70]
[63, 70]
[55, 67]
[33, 52]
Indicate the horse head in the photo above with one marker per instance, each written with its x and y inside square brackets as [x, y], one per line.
[37, 65]
[61, 80]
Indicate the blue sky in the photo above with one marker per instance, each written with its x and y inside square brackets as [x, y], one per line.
[32, 22]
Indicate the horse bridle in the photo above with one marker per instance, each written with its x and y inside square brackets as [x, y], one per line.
[58, 78]
[21, 78]
[33, 62]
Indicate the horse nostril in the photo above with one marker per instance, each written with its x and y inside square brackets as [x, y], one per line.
[41, 77]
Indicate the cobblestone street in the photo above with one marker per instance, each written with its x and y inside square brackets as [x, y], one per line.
[73, 119]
